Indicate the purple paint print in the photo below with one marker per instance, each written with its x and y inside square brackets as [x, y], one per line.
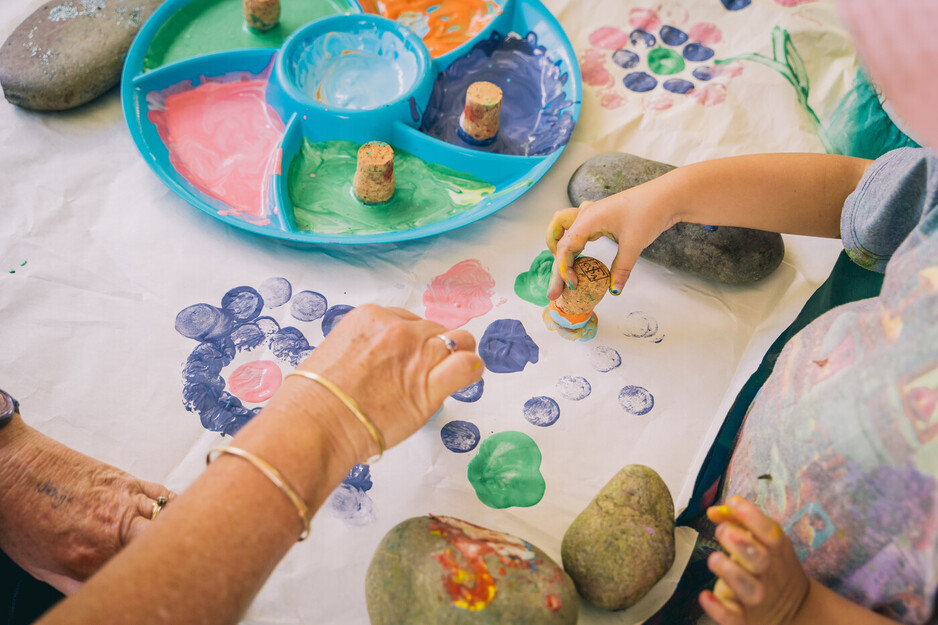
[574, 387]
[247, 337]
[350, 501]
[505, 347]
[243, 303]
[541, 411]
[604, 359]
[460, 436]
[308, 306]
[276, 292]
[290, 345]
[536, 118]
[471, 393]
[636, 400]
[203, 322]
[333, 316]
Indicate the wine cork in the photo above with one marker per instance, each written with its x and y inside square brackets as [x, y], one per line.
[593, 280]
[261, 14]
[479, 119]
[374, 176]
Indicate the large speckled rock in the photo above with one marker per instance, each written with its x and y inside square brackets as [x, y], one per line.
[444, 571]
[725, 254]
[623, 541]
[69, 52]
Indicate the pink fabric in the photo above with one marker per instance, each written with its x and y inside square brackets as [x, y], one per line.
[898, 43]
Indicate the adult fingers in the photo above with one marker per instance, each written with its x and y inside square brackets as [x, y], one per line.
[456, 371]
[403, 313]
[763, 527]
[746, 589]
[559, 223]
[154, 490]
[461, 339]
[719, 611]
[743, 547]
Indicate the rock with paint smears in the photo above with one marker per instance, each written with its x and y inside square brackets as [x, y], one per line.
[623, 542]
[444, 571]
[69, 52]
[725, 254]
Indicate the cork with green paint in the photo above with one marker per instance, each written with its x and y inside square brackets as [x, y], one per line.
[374, 175]
[262, 15]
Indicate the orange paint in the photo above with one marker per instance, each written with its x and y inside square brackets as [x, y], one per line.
[553, 603]
[571, 318]
[443, 24]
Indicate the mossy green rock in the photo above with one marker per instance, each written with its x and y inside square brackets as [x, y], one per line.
[443, 571]
[623, 542]
[725, 254]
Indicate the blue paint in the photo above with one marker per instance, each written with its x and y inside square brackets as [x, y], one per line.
[460, 436]
[203, 322]
[359, 477]
[414, 111]
[625, 59]
[290, 345]
[267, 325]
[639, 325]
[243, 303]
[704, 72]
[471, 393]
[697, 52]
[672, 36]
[711, 228]
[505, 346]
[276, 291]
[203, 390]
[247, 337]
[636, 400]
[574, 387]
[536, 118]
[308, 306]
[350, 501]
[735, 5]
[469, 139]
[677, 85]
[541, 411]
[641, 36]
[604, 359]
[333, 316]
[640, 82]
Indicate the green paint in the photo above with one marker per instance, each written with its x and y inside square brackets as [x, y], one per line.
[506, 471]
[531, 286]
[205, 26]
[665, 62]
[320, 187]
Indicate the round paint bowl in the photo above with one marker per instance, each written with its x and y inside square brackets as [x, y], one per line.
[352, 76]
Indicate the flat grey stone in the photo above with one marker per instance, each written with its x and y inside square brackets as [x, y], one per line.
[69, 52]
[725, 254]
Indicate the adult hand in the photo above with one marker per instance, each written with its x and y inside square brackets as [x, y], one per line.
[64, 514]
[394, 365]
[761, 582]
[633, 219]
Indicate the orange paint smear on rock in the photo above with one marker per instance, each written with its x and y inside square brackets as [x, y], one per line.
[443, 24]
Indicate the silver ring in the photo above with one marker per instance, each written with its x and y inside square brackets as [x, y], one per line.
[450, 343]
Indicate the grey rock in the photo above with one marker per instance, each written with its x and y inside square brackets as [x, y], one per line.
[725, 254]
[69, 52]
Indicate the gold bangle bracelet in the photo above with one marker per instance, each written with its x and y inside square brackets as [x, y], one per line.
[274, 476]
[352, 405]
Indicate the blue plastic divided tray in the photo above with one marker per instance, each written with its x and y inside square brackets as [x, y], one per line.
[259, 129]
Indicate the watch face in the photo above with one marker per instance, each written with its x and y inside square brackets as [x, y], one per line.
[8, 407]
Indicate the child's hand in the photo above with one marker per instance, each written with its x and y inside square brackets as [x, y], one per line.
[762, 582]
[634, 223]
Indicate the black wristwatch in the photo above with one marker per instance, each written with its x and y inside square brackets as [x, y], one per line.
[8, 408]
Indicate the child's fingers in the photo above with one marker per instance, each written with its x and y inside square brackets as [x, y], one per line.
[621, 269]
[720, 611]
[559, 224]
[746, 589]
[763, 527]
[743, 547]
[721, 514]
[555, 286]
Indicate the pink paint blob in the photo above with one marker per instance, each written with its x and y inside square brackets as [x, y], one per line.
[593, 68]
[255, 381]
[610, 100]
[462, 293]
[710, 95]
[792, 3]
[609, 38]
[659, 102]
[645, 19]
[730, 70]
[224, 138]
[705, 33]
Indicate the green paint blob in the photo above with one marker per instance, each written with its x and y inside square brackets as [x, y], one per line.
[665, 62]
[320, 187]
[506, 471]
[531, 286]
[205, 26]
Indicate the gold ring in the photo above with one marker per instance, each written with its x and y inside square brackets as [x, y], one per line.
[158, 504]
[450, 343]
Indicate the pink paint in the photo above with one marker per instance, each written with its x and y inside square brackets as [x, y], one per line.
[610, 100]
[705, 33]
[255, 381]
[709, 95]
[730, 70]
[645, 19]
[659, 101]
[609, 38]
[791, 3]
[462, 293]
[593, 69]
[224, 138]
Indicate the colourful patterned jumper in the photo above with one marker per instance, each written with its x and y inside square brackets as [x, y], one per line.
[841, 445]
